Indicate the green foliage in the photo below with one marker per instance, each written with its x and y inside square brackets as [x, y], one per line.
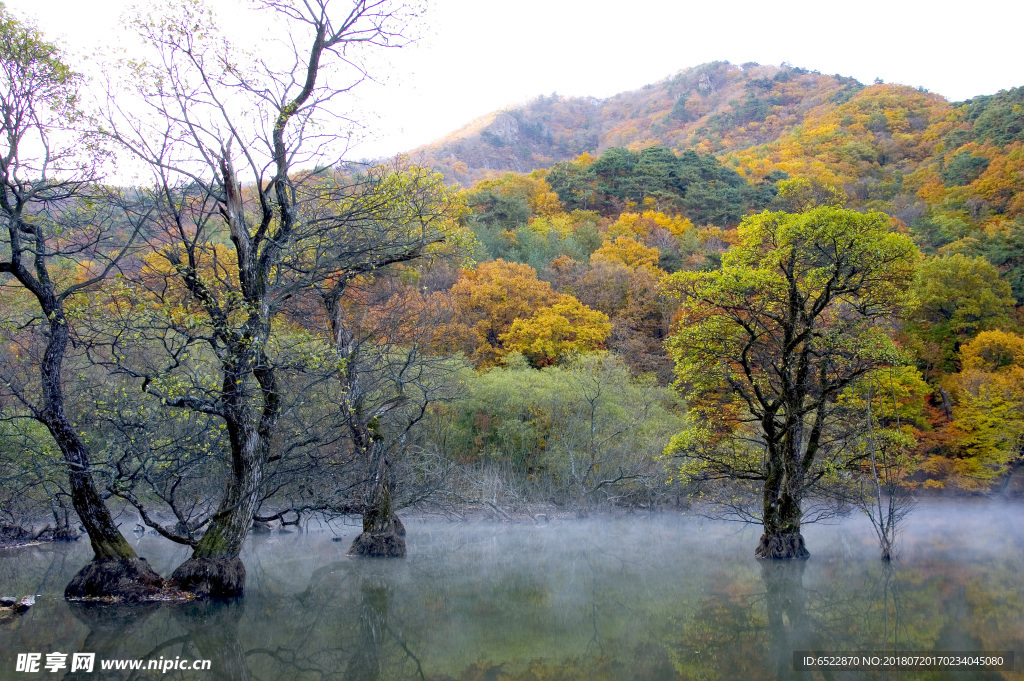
[741, 315]
[697, 185]
[33, 476]
[574, 422]
[963, 168]
[34, 74]
[1004, 248]
[998, 118]
[956, 297]
[679, 111]
[939, 229]
[763, 346]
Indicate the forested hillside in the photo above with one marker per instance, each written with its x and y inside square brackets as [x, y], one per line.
[660, 178]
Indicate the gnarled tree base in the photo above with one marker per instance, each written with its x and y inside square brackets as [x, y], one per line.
[65, 533]
[211, 577]
[387, 543]
[126, 579]
[782, 546]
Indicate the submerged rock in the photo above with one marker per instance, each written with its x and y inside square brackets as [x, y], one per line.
[11, 607]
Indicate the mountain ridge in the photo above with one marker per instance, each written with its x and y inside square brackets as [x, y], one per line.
[717, 107]
[673, 111]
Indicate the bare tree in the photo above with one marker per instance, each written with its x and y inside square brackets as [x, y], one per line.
[215, 116]
[53, 217]
[387, 379]
[884, 497]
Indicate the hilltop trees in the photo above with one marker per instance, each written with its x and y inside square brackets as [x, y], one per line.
[698, 185]
[765, 345]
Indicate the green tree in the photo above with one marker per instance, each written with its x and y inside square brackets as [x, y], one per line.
[764, 347]
[956, 297]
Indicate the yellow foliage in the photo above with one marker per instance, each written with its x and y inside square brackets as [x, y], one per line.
[988, 418]
[626, 251]
[562, 224]
[639, 225]
[554, 332]
[489, 300]
[536, 190]
[993, 351]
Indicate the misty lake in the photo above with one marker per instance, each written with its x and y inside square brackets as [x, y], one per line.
[637, 597]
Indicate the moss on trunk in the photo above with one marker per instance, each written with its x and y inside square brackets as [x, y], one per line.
[211, 577]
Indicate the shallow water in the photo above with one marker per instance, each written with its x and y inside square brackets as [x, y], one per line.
[634, 597]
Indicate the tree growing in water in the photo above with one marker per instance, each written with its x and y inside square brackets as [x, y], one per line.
[49, 205]
[765, 345]
[240, 150]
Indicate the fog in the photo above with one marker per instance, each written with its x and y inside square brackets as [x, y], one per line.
[635, 596]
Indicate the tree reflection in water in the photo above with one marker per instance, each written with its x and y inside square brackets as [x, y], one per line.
[521, 603]
[112, 629]
[751, 629]
[789, 627]
[213, 633]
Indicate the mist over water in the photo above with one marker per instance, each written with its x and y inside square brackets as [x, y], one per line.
[636, 597]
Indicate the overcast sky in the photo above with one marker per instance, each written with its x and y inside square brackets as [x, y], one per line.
[475, 56]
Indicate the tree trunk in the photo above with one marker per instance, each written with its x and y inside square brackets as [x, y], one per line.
[782, 495]
[62, 529]
[115, 570]
[214, 570]
[781, 538]
[383, 533]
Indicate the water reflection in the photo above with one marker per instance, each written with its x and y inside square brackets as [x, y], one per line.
[365, 661]
[789, 627]
[631, 599]
[212, 634]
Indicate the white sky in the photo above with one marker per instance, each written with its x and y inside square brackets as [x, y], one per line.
[476, 56]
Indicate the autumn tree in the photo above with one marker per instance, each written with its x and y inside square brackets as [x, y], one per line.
[765, 346]
[555, 332]
[956, 297]
[489, 300]
[986, 445]
[241, 150]
[387, 377]
[52, 213]
[624, 282]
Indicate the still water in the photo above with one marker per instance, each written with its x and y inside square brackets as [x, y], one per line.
[634, 597]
